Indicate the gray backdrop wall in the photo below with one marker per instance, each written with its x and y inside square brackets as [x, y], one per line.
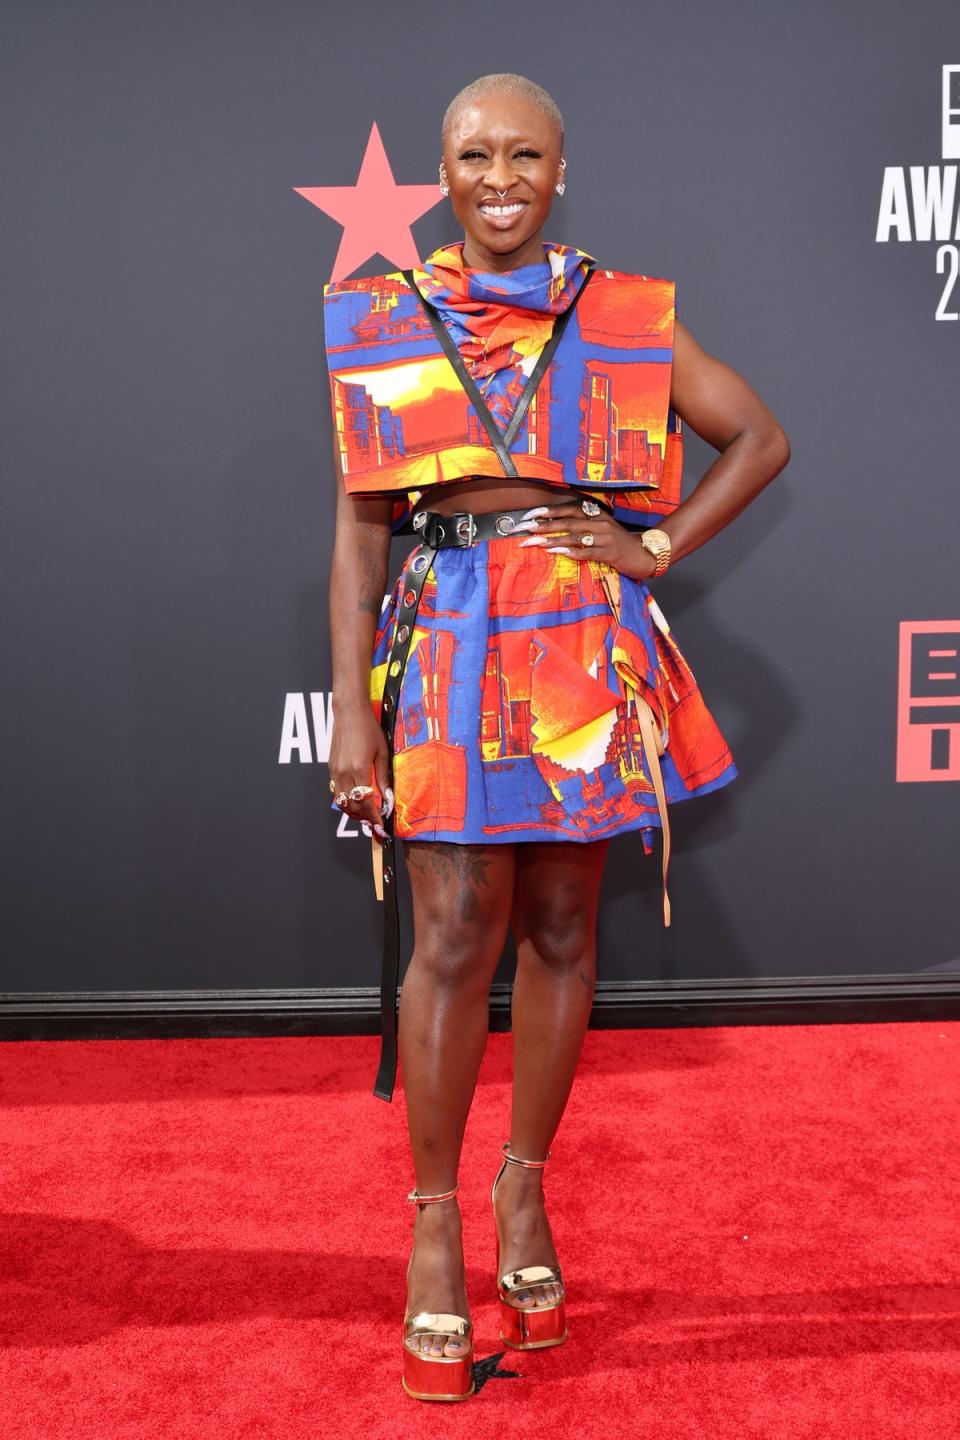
[167, 493]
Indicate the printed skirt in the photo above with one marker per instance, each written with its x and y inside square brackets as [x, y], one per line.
[518, 717]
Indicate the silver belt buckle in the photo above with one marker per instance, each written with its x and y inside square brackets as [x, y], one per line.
[465, 527]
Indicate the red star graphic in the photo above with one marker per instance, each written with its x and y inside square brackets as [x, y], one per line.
[376, 213]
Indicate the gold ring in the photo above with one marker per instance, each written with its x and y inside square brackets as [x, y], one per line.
[360, 792]
[333, 788]
[342, 799]
[587, 538]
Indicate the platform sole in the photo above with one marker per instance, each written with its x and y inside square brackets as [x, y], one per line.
[423, 1395]
[532, 1329]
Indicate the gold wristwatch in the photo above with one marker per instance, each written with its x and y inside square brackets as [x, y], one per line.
[658, 543]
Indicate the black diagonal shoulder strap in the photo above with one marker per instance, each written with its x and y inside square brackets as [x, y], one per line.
[500, 440]
[546, 355]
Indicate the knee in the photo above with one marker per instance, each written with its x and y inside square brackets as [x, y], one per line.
[455, 953]
[561, 935]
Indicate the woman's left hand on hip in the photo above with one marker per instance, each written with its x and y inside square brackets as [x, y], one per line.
[565, 529]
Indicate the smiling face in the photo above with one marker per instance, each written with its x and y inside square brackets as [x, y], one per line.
[501, 143]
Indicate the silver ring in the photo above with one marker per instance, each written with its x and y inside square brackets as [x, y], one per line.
[590, 507]
[588, 539]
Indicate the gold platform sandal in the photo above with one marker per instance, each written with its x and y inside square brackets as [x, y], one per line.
[541, 1325]
[437, 1377]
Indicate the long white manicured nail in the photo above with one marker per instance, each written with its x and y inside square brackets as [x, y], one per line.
[386, 809]
[558, 550]
[537, 510]
[534, 540]
[524, 525]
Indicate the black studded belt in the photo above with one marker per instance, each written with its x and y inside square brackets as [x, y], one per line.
[463, 529]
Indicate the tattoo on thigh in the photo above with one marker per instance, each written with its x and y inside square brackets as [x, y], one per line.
[463, 868]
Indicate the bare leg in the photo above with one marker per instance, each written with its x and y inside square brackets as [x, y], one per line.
[554, 921]
[461, 908]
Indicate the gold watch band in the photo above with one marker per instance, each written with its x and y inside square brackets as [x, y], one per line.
[657, 542]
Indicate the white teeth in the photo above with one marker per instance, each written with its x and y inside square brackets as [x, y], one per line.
[501, 209]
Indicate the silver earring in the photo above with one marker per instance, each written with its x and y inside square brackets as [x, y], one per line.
[560, 188]
[444, 188]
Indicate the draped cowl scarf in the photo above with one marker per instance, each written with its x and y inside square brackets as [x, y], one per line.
[501, 320]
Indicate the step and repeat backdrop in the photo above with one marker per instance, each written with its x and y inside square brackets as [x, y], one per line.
[180, 182]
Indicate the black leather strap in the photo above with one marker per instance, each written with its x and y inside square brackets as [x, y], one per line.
[390, 966]
[500, 440]
[546, 355]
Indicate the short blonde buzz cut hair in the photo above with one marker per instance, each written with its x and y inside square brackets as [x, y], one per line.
[503, 83]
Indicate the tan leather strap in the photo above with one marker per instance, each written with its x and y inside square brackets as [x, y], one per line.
[377, 866]
[650, 735]
[652, 748]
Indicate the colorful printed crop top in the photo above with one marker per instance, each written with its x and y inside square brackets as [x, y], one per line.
[599, 419]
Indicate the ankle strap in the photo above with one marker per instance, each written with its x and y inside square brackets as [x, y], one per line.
[419, 1199]
[515, 1159]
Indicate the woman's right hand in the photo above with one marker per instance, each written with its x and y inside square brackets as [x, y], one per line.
[358, 756]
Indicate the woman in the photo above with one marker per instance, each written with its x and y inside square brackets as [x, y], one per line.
[528, 699]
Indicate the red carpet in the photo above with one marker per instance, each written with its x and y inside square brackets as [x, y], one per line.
[758, 1227]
